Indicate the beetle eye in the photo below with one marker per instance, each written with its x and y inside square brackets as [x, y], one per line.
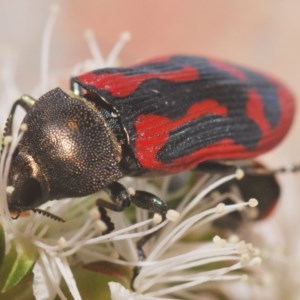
[31, 193]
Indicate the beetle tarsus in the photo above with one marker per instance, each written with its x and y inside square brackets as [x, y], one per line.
[105, 218]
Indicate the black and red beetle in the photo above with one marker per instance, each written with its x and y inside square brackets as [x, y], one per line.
[162, 116]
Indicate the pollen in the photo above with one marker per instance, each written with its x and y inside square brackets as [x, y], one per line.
[245, 259]
[219, 241]
[114, 254]
[10, 189]
[244, 278]
[100, 226]
[7, 139]
[172, 215]
[253, 202]
[94, 213]
[242, 246]
[220, 208]
[234, 239]
[256, 261]
[157, 218]
[131, 191]
[126, 36]
[23, 127]
[239, 174]
[62, 241]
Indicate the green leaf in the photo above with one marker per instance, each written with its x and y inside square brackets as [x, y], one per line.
[92, 279]
[118, 273]
[22, 265]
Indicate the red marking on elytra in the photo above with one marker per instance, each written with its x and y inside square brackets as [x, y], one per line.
[255, 111]
[224, 149]
[271, 136]
[231, 69]
[122, 85]
[153, 132]
[287, 109]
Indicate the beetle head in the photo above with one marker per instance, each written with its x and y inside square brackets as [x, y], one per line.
[29, 185]
[67, 150]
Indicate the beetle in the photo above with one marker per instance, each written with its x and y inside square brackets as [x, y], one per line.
[162, 116]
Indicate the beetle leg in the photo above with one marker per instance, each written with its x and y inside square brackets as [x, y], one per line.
[150, 202]
[218, 167]
[119, 195]
[26, 102]
[145, 200]
[121, 199]
[106, 219]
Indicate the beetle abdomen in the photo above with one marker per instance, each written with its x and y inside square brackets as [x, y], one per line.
[182, 110]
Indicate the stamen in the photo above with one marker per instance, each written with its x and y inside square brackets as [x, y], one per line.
[66, 272]
[48, 30]
[172, 215]
[94, 48]
[115, 52]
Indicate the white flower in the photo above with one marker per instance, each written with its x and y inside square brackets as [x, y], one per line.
[186, 259]
[173, 266]
[180, 261]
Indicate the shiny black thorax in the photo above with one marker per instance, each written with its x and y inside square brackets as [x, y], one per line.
[68, 150]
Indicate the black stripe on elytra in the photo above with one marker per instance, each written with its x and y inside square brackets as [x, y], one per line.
[269, 93]
[173, 99]
[205, 131]
[174, 63]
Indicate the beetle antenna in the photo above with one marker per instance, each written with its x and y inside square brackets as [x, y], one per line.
[47, 214]
[293, 168]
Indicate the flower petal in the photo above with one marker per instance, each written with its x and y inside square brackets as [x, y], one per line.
[22, 265]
